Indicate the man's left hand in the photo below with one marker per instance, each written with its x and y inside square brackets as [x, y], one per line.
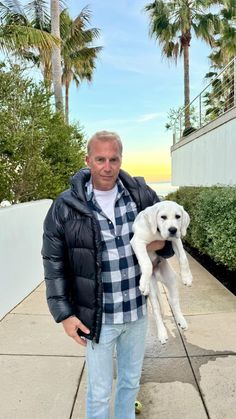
[156, 245]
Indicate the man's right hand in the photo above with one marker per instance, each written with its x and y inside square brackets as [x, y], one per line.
[71, 325]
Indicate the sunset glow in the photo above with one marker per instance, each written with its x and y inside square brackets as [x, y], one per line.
[155, 166]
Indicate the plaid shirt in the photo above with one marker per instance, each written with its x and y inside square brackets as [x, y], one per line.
[122, 299]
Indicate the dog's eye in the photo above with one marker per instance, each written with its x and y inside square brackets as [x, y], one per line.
[177, 216]
[164, 217]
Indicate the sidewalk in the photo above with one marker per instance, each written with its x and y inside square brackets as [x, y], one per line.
[193, 376]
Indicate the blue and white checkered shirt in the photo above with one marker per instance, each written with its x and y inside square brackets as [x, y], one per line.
[122, 299]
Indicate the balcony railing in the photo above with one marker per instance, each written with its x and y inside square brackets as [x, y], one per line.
[218, 97]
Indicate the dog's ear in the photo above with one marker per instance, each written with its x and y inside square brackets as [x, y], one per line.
[185, 222]
[150, 215]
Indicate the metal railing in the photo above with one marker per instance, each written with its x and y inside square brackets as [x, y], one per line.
[218, 97]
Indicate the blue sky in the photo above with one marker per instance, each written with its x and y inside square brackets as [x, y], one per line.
[134, 86]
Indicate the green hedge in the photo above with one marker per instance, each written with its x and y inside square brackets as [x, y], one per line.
[212, 229]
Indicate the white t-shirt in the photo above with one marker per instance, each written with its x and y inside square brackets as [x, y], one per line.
[106, 200]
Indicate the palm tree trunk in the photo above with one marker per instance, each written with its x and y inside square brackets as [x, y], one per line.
[186, 85]
[56, 56]
[67, 102]
[47, 79]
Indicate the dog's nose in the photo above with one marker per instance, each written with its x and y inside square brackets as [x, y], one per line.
[172, 230]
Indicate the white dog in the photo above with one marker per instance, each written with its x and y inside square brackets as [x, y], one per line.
[165, 220]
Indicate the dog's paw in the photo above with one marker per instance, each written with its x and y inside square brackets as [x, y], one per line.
[187, 279]
[144, 290]
[182, 322]
[162, 335]
[144, 286]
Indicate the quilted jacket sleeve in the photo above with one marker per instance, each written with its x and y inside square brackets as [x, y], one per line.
[54, 260]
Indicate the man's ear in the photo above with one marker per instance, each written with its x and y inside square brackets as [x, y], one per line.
[185, 222]
[87, 160]
[150, 214]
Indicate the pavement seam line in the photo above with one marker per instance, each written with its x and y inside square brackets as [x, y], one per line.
[44, 355]
[191, 367]
[187, 356]
[77, 391]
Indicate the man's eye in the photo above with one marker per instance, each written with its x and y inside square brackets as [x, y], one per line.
[164, 217]
[177, 216]
[114, 160]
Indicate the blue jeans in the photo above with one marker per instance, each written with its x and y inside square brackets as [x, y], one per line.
[129, 341]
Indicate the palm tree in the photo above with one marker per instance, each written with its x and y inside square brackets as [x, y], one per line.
[38, 11]
[78, 55]
[225, 44]
[172, 24]
[222, 94]
[17, 35]
[56, 55]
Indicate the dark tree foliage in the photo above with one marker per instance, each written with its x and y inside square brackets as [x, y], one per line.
[38, 150]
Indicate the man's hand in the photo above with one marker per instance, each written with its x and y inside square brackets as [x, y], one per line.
[153, 246]
[71, 325]
[156, 245]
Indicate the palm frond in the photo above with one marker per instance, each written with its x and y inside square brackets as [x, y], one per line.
[76, 79]
[84, 16]
[39, 15]
[79, 39]
[85, 54]
[210, 74]
[65, 23]
[15, 37]
[11, 11]
[205, 27]
[171, 50]
[13, 7]
[217, 58]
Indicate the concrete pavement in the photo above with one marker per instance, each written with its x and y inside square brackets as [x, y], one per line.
[193, 376]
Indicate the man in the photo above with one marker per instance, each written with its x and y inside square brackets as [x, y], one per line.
[92, 275]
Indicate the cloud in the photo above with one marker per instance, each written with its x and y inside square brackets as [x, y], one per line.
[150, 116]
[128, 121]
[130, 62]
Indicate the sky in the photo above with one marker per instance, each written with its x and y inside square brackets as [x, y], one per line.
[133, 86]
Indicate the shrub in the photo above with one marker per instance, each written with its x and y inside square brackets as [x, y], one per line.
[38, 150]
[213, 221]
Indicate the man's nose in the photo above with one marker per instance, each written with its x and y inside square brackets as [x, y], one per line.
[107, 165]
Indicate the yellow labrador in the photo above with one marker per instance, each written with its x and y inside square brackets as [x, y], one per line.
[165, 220]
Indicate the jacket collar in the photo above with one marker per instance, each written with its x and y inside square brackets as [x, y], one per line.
[76, 197]
[79, 180]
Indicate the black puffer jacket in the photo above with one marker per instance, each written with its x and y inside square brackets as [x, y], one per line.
[72, 252]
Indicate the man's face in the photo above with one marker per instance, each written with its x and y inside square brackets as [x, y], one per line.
[104, 161]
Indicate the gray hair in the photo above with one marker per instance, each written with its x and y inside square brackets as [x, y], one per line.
[105, 136]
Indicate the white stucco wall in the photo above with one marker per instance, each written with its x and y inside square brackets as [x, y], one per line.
[207, 157]
[21, 267]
